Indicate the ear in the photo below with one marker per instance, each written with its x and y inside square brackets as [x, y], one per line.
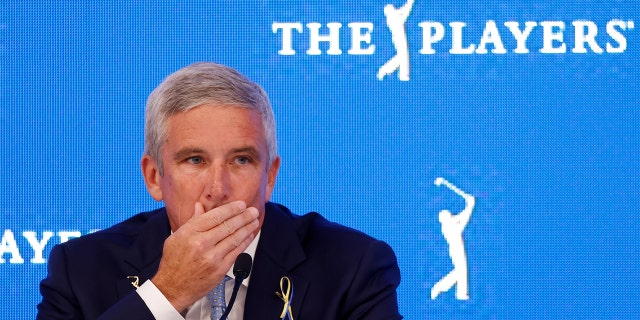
[271, 177]
[151, 175]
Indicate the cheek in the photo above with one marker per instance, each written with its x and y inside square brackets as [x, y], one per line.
[178, 191]
[166, 184]
[181, 195]
[249, 186]
[264, 192]
[179, 181]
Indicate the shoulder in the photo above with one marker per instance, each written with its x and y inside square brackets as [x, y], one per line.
[314, 222]
[92, 270]
[352, 273]
[123, 234]
[315, 231]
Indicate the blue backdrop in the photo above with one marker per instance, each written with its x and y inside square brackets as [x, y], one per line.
[543, 131]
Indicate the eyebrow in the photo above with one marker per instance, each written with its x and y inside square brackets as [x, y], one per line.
[187, 151]
[184, 152]
[252, 151]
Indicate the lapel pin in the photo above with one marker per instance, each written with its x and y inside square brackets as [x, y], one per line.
[135, 281]
[286, 295]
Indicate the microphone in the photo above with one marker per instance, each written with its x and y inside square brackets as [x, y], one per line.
[241, 270]
[242, 267]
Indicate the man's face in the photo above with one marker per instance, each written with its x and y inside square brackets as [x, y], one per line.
[213, 155]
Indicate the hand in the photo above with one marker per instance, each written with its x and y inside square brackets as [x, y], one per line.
[197, 256]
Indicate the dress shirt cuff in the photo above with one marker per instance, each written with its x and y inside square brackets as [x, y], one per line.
[159, 306]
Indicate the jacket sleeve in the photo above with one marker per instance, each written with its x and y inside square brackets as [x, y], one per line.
[372, 293]
[62, 298]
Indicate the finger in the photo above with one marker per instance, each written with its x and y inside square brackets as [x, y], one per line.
[216, 216]
[235, 239]
[229, 246]
[230, 233]
[245, 217]
[233, 254]
[229, 226]
[199, 209]
[228, 258]
[234, 250]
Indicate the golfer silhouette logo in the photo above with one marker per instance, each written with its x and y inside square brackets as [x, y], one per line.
[452, 227]
[396, 18]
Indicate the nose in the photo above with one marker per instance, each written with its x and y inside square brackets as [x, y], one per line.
[217, 188]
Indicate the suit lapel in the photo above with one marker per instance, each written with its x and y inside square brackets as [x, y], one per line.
[279, 252]
[144, 253]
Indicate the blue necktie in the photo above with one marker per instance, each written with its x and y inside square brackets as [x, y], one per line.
[216, 297]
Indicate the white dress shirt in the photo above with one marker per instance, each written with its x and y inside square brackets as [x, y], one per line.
[162, 309]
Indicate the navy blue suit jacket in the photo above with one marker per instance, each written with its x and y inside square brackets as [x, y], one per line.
[337, 272]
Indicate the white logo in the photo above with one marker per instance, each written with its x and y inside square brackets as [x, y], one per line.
[453, 37]
[452, 227]
[9, 246]
[395, 22]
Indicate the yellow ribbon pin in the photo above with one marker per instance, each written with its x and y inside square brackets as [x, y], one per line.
[286, 295]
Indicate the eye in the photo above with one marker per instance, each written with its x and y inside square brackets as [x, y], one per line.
[243, 160]
[195, 160]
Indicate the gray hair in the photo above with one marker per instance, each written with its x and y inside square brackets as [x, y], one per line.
[198, 84]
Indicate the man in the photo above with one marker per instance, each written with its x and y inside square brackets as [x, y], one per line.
[211, 157]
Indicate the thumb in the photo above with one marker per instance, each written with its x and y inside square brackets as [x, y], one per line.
[199, 209]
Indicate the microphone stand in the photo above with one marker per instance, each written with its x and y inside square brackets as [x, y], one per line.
[241, 270]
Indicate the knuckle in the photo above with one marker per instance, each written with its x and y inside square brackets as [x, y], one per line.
[215, 218]
[235, 240]
[228, 226]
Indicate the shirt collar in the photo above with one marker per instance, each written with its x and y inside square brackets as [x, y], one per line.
[251, 250]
